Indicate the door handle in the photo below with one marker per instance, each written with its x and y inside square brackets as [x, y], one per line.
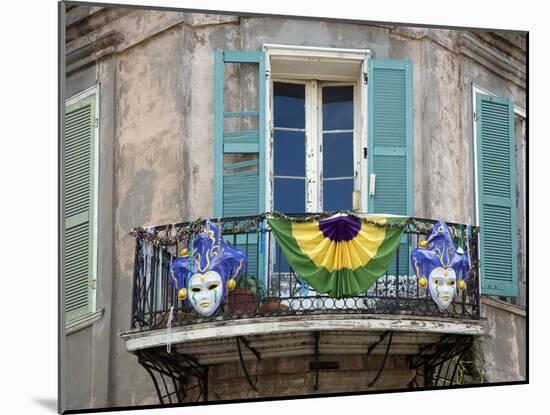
[372, 184]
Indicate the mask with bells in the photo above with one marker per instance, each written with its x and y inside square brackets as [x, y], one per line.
[214, 268]
[441, 266]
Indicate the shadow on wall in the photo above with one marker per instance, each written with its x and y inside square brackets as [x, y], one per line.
[48, 403]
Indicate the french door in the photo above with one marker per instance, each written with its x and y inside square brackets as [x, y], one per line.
[314, 166]
[313, 150]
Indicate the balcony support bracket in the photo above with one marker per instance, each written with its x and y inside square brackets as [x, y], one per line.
[175, 375]
[316, 337]
[238, 340]
[371, 384]
[440, 356]
[376, 343]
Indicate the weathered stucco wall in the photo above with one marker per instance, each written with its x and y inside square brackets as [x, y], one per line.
[150, 175]
[87, 367]
[157, 146]
[502, 354]
[473, 72]
[78, 364]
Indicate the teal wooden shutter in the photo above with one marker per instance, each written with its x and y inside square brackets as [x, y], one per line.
[390, 142]
[239, 185]
[496, 198]
[78, 190]
[240, 156]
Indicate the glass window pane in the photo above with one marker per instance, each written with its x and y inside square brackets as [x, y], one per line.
[337, 195]
[289, 153]
[289, 105]
[338, 155]
[289, 195]
[338, 108]
[280, 264]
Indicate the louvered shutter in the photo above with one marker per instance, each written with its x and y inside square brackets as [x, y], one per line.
[78, 186]
[497, 190]
[239, 155]
[390, 142]
[239, 184]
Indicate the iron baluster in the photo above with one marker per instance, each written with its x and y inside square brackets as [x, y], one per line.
[153, 294]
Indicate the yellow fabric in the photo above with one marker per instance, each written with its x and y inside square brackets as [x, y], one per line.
[339, 255]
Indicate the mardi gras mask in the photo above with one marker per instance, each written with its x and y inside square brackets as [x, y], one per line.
[206, 292]
[213, 268]
[444, 265]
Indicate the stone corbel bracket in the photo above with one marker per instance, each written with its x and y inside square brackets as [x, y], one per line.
[494, 60]
[85, 52]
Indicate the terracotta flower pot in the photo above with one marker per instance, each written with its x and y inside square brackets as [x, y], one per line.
[242, 301]
[272, 305]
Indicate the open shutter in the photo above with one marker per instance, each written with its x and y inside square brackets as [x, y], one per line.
[78, 175]
[390, 142]
[496, 198]
[239, 152]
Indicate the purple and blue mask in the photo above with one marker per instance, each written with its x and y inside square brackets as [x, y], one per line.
[445, 266]
[213, 268]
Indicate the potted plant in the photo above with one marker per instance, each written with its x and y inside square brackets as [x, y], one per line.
[272, 303]
[243, 297]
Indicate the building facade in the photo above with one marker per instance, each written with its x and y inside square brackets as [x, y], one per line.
[173, 115]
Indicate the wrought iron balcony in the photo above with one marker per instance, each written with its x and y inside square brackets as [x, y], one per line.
[270, 287]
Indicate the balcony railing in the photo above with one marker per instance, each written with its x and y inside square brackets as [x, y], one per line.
[269, 286]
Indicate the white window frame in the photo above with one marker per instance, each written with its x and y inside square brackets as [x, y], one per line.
[313, 94]
[94, 314]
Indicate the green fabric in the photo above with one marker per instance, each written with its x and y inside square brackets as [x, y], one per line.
[344, 282]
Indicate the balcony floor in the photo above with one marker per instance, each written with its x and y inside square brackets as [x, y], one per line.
[213, 342]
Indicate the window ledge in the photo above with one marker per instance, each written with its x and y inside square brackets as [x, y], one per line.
[503, 305]
[83, 321]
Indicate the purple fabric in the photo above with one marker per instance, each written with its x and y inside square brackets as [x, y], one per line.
[340, 228]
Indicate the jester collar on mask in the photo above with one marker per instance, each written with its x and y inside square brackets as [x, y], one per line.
[443, 264]
[214, 267]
